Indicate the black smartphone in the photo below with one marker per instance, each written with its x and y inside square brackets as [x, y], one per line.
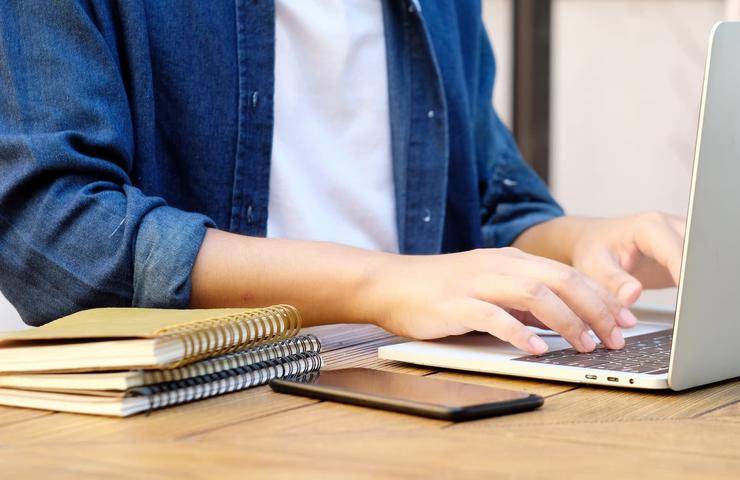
[400, 392]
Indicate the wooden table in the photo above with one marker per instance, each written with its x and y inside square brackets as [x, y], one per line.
[580, 432]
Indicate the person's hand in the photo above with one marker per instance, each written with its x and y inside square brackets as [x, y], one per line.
[498, 291]
[629, 254]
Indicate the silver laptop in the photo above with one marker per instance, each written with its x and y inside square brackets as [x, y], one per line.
[700, 344]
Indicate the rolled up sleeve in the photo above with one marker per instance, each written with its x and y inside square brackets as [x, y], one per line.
[75, 232]
[166, 245]
[513, 197]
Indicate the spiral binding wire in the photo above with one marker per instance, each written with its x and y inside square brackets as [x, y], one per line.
[260, 353]
[219, 336]
[218, 383]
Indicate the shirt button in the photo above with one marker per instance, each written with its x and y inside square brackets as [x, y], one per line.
[249, 214]
[427, 216]
[411, 8]
[430, 114]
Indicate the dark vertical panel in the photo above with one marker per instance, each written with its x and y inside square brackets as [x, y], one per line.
[532, 82]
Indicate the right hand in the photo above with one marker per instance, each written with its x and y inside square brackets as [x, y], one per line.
[499, 291]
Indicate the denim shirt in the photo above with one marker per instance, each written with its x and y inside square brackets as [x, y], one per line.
[129, 127]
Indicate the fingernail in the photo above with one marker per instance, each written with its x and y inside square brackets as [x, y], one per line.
[617, 340]
[628, 293]
[538, 345]
[627, 318]
[587, 342]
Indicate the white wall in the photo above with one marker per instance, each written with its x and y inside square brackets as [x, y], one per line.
[9, 318]
[626, 86]
[498, 16]
[627, 80]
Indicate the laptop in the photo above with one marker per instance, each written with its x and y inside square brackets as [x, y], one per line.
[700, 343]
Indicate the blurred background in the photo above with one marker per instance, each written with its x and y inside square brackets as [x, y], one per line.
[603, 96]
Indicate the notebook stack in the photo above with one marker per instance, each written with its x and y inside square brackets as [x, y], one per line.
[124, 361]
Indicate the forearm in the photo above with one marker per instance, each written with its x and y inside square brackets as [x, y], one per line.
[327, 282]
[323, 280]
[555, 239]
[421, 296]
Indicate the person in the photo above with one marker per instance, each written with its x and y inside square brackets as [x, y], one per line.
[342, 156]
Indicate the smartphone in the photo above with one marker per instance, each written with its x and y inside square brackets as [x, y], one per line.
[400, 392]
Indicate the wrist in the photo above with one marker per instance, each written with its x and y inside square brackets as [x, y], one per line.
[327, 282]
[556, 239]
[366, 298]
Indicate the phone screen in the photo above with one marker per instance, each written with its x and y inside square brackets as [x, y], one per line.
[413, 388]
[400, 392]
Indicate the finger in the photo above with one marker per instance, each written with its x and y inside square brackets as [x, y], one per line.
[622, 315]
[530, 295]
[512, 252]
[610, 273]
[661, 243]
[592, 304]
[527, 319]
[679, 225]
[625, 318]
[486, 317]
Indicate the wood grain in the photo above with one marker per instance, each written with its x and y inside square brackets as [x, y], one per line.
[703, 438]
[726, 413]
[596, 405]
[165, 425]
[9, 415]
[427, 454]
[579, 433]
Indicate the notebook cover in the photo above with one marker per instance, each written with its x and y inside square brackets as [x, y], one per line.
[118, 323]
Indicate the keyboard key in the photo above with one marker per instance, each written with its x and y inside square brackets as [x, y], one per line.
[648, 353]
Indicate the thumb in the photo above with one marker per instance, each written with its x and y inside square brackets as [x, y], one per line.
[610, 273]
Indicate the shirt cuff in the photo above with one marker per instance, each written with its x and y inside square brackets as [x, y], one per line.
[514, 219]
[166, 246]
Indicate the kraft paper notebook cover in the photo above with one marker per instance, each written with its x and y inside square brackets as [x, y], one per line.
[119, 381]
[161, 395]
[124, 338]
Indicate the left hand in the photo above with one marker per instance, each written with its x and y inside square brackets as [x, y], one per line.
[629, 254]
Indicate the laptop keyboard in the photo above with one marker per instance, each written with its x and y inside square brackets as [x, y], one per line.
[649, 353]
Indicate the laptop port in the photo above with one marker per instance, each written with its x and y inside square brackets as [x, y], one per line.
[590, 377]
[612, 379]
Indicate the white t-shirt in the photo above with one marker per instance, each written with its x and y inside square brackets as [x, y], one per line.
[332, 175]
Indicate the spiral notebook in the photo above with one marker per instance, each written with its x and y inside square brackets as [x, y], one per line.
[123, 380]
[125, 338]
[161, 395]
